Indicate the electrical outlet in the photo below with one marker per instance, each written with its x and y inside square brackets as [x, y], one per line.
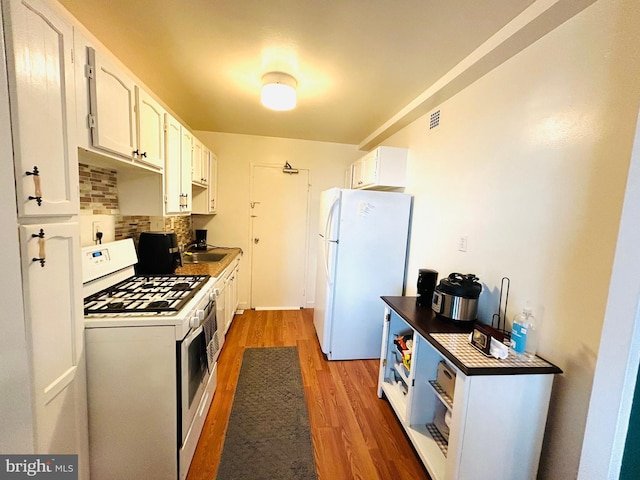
[462, 243]
[95, 229]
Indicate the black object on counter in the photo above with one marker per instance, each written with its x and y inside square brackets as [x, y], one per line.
[201, 240]
[158, 253]
[456, 297]
[427, 279]
[461, 285]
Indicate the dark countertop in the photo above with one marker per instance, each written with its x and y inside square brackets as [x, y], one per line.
[214, 269]
[451, 340]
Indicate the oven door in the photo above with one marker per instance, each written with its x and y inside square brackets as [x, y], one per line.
[193, 376]
[194, 368]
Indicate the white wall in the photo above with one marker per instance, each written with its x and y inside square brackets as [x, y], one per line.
[530, 162]
[327, 163]
[617, 370]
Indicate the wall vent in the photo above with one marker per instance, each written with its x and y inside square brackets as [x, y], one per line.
[434, 120]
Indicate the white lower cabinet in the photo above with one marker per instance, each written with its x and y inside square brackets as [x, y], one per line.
[496, 416]
[231, 297]
[53, 309]
[221, 309]
[226, 288]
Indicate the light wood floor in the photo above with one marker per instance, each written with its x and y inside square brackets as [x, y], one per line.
[355, 434]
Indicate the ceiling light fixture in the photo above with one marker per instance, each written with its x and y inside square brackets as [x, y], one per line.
[278, 91]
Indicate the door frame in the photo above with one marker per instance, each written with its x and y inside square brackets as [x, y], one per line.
[305, 293]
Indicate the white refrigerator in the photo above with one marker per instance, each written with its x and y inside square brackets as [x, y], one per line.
[362, 254]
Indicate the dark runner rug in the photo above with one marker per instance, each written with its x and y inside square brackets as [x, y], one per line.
[268, 435]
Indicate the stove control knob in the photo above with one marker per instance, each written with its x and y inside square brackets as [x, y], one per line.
[212, 296]
[216, 292]
[194, 322]
[200, 315]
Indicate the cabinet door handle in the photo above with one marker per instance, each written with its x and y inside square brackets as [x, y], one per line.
[41, 252]
[36, 184]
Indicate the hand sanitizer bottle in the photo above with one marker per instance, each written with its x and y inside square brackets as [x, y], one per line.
[533, 329]
[519, 331]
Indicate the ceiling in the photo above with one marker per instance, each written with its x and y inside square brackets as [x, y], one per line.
[357, 62]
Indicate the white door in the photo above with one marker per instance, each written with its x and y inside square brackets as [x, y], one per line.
[112, 94]
[279, 218]
[150, 130]
[39, 49]
[52, 287]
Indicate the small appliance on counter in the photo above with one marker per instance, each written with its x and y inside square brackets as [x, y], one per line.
[490, 341]
[456, 297]
[426, 284]
[201, 240]
[158, 253]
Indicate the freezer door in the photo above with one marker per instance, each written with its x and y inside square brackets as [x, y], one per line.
[325, 270]
[329, 208]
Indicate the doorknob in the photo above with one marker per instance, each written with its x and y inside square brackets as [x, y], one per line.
[256, 240]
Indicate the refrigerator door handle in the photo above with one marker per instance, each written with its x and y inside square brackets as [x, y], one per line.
[330, 218]
[326, 240]
[325, 247]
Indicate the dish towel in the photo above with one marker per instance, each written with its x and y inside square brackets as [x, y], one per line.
[210, 327]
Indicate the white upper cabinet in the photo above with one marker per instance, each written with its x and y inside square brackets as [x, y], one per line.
[186, 145]
[177, 167]
[199, 163]
[112, 106]
[381, 169]
[206, 162]
[204, 199]
[176, 186]
[150, 122]
[41, 88]
[213, 183]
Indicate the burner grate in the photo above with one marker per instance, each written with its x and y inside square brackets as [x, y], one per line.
[144, 293]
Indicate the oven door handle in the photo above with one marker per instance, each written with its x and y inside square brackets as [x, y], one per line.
[189, 338]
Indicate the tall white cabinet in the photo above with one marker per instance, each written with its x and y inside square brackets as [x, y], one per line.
[38, 46]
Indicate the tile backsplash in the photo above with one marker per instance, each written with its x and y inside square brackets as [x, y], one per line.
[98, 190]
[99, 196]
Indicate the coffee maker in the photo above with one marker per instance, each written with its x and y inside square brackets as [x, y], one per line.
[427, 279]
[201, 240]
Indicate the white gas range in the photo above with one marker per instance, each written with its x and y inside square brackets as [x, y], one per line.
[151, 346]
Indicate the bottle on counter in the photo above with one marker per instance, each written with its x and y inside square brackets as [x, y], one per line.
[533, 330]
[524, 333]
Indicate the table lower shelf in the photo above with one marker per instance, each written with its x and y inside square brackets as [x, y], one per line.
[438, 438]
[431, 448]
